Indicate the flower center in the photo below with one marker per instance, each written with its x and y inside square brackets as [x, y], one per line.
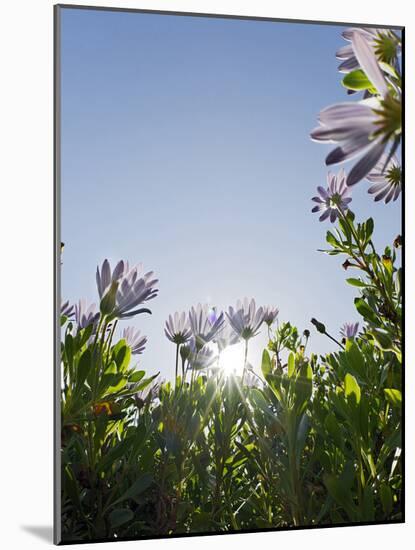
[335, 200]
[394, 175]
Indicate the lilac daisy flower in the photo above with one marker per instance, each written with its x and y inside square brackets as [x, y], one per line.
[133, 287]
[333, 200]
[134, 339]
[148, 394]
[384, 42]
[386, 180]
[349, 330]
[105, 276]
[361, 128]
[200, 358]
[205, 324]
[346, 54]
[178, 331]
[245, 319]
[225, 338]
[66, 309]
[177, 328]
[84, 315]
[270, 314]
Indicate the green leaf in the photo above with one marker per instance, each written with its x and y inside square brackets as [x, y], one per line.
[108, 380]
[351, 388]
[355, 359]
[115, 383]
[137, 376]
[84, 366]
[138, 487]
[344, 226]
[274, 381]
[119, 516]
[302, 433]
[394, 397]
[386, 498]
[364, 425]
[368, 504]
[356, 80]
[365, 310]
[257, 398]
[122, 355]
[334, 430]
[115, 453]
[383, 340]
[398, 281]
[389, 69]
[291, 365]
[85, 334]
[111, 369]
[303, 387]
[69, 347]
[369, 226]
[331, 239]
[391, 444]
[101, 424]
[146, 382]
[340, 492]
[266, 364]
[339, 403]
[356, 282]
[70, 487]
[350, 216]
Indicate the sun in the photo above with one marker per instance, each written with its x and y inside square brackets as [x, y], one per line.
[232, 360]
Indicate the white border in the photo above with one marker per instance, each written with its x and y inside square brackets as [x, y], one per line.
[26, 282]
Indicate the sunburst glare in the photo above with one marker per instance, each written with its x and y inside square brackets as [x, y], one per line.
[231, 360]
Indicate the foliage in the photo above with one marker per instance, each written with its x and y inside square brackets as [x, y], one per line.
[314, 441]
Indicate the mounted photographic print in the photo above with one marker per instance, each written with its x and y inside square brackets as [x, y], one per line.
[229, 274]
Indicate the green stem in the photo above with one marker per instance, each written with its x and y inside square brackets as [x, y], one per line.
[296, 506]
[360, 473]
[101, 320]
[109, 342]
[98, 363]
[334, 340]
[245, 361]
[364, 264]
[183, 372]
[177, 363]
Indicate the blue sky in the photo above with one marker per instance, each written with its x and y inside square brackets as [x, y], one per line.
[185, 146]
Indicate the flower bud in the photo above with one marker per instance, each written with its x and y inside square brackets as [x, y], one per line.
[108, 301]
[387, 262]
[319, 326]
[397, 243]
[184, 352]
